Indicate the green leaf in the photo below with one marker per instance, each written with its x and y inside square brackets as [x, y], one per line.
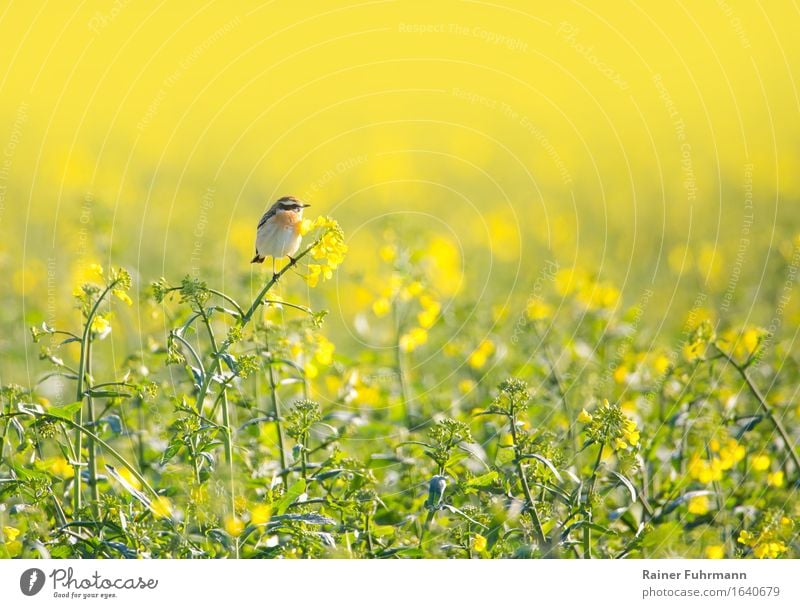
[585, 523]
[307, 518]
[484, 481]
[628, 484]
[453, 509]
[293, 493]
[103, 394]
[546, 463]
[173, 448]
[125, 484]
[65, 411]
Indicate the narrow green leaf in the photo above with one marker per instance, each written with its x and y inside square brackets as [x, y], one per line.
[292, 494]
[65, 411]
[628, 484]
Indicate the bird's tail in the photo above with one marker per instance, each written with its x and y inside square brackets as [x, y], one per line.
[258, 259]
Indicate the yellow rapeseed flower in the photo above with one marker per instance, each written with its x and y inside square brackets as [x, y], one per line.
[122, 296]
[584, 417]
[661, 364]
[465, 386]
[776, 479]
[305, 226]
[730, 454]
[537, 310]
[481, 354]
[746, 538]
[704, 471]
[233, 525]
[692, 352]
[11, 544]
[381, 307]
[100, 325]
[95, 271]
[698, 505]
[630, 432]
[60, 468]
[413, 339]
[388, 253]
[715, 552]
[751, 340]
[260, 514]
[479, 543]
[161, 506]
[325, 350]
[770, 550]
[760, 462]
[126, 474]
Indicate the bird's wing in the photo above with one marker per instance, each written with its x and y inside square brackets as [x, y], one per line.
[272, 211]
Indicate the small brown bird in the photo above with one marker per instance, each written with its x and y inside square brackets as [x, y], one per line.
[278, 232]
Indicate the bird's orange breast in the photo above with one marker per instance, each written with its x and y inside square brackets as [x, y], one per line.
[286, 219]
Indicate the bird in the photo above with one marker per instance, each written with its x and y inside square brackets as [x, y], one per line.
[278, 232]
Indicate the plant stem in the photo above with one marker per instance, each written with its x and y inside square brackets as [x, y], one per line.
[587, 530]
[90, 444]
[304, 443]
[82, 373]
[227, 429]
[276, 412]
[401, 372]
[82, 429]
[245, 320]
[767, 409]
[530, 506]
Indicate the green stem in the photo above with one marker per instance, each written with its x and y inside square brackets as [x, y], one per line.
[90, 444]
[766, 407]
[83, 430]
[227, 429]
[530, 506]
[303, 457]
[276, 412]
[401, 372]
[587, 530]
[82, 373]
[245, 320]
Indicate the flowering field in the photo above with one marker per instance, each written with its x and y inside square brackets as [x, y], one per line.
[545, 304]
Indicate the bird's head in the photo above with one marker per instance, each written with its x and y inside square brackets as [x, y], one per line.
[290, 203]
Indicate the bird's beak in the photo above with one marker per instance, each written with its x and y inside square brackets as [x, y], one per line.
[305, 205]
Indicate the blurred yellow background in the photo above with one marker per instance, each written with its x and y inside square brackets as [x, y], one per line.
[640, 141]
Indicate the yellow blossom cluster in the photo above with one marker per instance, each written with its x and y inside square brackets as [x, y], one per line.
[610, 426]
[699, 504]
[724, 457]
[479, 357]
[768, 542]
[715, 552]
[9, 543]
[593, 294]
[329, 250]
[742, 344]
[412, 294]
